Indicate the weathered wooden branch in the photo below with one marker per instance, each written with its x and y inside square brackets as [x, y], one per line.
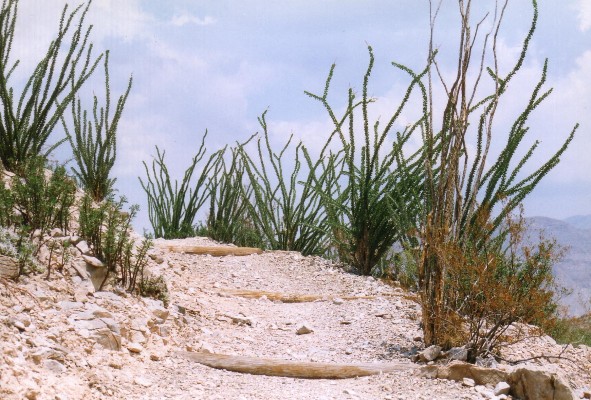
[8, 267]
[217, 251]
[283, 297]
[291, 369]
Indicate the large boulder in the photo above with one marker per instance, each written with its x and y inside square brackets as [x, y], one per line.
[526, 383]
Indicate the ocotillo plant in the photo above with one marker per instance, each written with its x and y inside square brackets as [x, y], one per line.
[27, 120]
[229, 198]
[172, 209]
[286, 209]
[364, 190]
[94, 142]
[467, 195]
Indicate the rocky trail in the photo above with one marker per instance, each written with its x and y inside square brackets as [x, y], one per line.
[62, 340]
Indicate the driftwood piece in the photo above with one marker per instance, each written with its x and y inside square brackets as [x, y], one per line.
[8, 267]
[285, 298]
[217, 251]
[291, 369]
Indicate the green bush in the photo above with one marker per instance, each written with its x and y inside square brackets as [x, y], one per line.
[573, 330]
[107, 229]
[42, 198]
[154, 287]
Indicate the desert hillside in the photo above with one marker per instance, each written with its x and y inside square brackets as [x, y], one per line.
[63, 340]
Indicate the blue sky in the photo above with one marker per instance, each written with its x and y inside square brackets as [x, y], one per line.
[217, 65]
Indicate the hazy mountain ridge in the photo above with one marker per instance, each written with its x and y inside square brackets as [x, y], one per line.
[574, 271]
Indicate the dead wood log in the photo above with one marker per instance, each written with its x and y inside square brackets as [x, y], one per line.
[8, 267]
[285, 298]
[216, 251]
[291, 369]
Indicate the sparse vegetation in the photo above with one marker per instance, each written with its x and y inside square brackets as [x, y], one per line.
[94, 141]
[364, 191]
[29, 118]
[42, 198]
[468, 195]
[448, 208]
[286, 210]
[172, 210]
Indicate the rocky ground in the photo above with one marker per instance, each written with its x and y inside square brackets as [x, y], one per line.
[59, 339]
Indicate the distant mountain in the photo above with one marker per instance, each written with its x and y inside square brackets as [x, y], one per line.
[574, 271]
[580, 221]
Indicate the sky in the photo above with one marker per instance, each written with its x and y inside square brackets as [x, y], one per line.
[218, 65]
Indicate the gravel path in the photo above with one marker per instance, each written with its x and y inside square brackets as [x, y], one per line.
[380, 326]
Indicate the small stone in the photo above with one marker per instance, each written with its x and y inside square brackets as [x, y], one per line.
[142, 381]
[468, 382]
[430, 353]
[417, 338]
[485, 392]
[157, 258]
[83, 247]
[349, 392]
[338, 300]
[54, 366]
[134, 347]
[502, 388]
[348, 351]
[93, 261]
[383, 314]
[18, 325]
[304, 329]
[587, 394]
[458, 353]
[56, 232]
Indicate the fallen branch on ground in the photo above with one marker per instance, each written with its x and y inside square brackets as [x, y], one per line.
[286, 298]
[291, 369]
[216, 251]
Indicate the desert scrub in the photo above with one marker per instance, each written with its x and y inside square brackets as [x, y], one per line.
[18, 246]
[107, 229]
[42, 197]
[366, 188]
[94, 141]
[154, 287]
[228, 219]
[469, 195]
[285, 210]
[172, 209]
[29, 118]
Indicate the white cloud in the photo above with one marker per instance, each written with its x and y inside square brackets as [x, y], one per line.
[184, 19]
[584, 15]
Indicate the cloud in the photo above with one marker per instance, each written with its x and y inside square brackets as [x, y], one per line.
[584, 15]
[184, 19]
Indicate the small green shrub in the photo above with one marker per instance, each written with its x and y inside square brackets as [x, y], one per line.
[154, 287]
[573, 330]
[41, 197]
[107, 228]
